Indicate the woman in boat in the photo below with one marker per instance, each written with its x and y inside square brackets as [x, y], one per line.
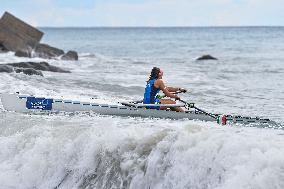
[154, 85]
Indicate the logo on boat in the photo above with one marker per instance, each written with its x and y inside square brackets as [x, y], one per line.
[39, 103]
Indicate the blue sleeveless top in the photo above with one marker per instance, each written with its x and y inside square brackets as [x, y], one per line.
[151, 94]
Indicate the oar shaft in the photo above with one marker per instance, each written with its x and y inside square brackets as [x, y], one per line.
[190, 105]
[205, 113]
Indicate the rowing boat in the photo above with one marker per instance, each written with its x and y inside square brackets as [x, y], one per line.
[28, 103]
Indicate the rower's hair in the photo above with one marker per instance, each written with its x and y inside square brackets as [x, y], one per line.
[154, 73]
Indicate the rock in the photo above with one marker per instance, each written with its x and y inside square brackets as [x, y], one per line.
[70, 55]
[21, 53]
[206, 57]
[17, 35]
[46, 51]
[42, 66]
[30, 68]
[6, 68]
[28, 71]
[20, 37]
[43, 51]
[3, 49]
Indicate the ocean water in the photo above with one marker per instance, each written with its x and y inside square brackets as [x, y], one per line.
[86, 150]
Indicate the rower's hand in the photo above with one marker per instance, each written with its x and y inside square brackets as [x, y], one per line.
[182, 90]
[177, 98]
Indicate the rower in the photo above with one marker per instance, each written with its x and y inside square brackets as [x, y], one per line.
[154, 85]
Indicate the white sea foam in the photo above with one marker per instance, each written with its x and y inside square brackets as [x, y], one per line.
[103, 152]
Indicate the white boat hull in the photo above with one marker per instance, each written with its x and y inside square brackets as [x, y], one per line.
[20, 103]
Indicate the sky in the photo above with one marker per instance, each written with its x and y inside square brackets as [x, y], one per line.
[152, 13]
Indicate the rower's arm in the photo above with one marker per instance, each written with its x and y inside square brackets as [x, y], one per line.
[165, 89]
[173, 89]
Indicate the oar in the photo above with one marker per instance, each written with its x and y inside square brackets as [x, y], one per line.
[220, 119]
[191, 105]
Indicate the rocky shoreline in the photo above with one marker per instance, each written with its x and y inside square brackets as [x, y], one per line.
[23, 39]
[30, 68]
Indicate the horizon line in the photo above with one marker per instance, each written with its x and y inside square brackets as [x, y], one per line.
[243, 26]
